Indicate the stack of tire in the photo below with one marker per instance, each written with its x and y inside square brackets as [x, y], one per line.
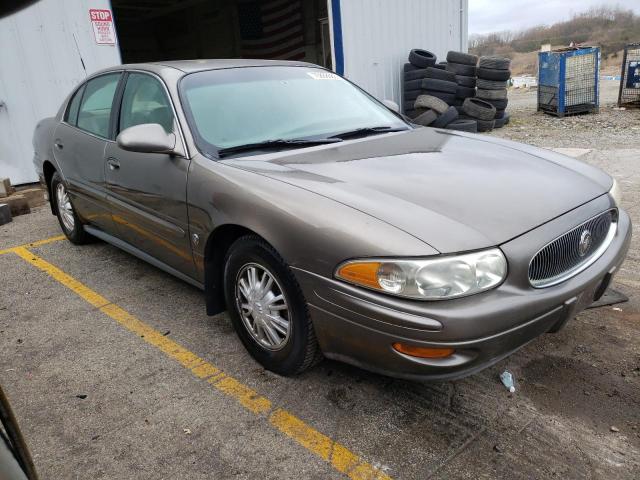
[493, 77]
[430, 92]
[463, 67]
[423, 76]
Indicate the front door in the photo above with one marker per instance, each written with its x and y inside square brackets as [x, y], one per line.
[148, 191]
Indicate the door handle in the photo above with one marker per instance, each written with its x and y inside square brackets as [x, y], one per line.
[58, 145]
[113, 163]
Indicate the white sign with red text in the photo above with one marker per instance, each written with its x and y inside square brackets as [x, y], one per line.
[102, 23]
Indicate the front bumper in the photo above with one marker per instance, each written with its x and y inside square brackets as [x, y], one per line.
[358, 326]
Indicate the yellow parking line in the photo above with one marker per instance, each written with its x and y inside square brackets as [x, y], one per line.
[340, 458]
[57, 238]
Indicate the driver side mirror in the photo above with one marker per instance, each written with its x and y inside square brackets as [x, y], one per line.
[391, 105]
[146, 138]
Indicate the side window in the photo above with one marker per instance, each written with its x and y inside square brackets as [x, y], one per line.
[95, 110]
[145, 101]
[71, 117]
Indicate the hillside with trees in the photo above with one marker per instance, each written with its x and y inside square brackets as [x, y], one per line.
[610, 28]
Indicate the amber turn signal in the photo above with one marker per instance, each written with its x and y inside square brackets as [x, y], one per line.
[361, 273]
[423, 352]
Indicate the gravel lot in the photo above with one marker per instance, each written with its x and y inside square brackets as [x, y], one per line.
[611, 129]
[98, 401]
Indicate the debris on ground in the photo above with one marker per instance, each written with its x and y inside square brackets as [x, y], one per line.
[5, 213]
[508, 380]
[614, 428]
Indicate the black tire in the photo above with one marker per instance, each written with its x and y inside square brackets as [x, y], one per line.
[462, 58]
[441, 66]
[448, 98]
[411, 94]
[491, 74]
[413, 84]
[460, 110]
[494, 63]
[433, 72]
[415, 74]
[422, 58]
[491, 94]
[499, 104]
[431, 102]
[412, 113]
[410, 68]
[446, 118]
[460, 69]
[479, 109]
[426, 118]
[408, 105]
[499, 113]
[491, 84]
[507, 118]
[485, 125]
[75, 233]
[465, 81]
[439, 85]
[465, 92]
[499, 123]
[463, 125]
[300, 349]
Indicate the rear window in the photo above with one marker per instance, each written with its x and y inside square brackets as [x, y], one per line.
[71, 117]
[95, 111]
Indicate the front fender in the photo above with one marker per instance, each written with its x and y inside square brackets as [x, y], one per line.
[309, 231]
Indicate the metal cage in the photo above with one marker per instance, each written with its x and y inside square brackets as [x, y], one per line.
[629, 95]
[568, 81]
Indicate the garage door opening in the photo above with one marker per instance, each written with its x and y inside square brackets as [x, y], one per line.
[157, 30]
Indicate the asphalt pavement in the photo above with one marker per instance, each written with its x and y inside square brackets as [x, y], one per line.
[115, 371]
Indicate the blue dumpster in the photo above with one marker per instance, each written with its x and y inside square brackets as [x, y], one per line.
[568, 81]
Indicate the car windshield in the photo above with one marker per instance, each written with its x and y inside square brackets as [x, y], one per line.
[242, 106]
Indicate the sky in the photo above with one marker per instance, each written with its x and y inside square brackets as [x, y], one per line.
[487, 16]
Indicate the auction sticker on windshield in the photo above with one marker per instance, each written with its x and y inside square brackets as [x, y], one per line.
[323, 75]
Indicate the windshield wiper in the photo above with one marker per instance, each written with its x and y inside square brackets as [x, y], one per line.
[367, 131]
[278, 143]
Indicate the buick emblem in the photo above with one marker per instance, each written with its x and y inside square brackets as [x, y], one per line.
[585, 243]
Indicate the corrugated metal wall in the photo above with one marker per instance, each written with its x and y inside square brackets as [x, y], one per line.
[40, 62]
[377, 36]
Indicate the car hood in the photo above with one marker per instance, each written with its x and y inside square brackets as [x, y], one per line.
[454, 191]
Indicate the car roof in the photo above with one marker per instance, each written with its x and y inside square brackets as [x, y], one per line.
[190, 66]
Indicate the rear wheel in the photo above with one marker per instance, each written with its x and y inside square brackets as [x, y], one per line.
[267, 308]
[69, 221]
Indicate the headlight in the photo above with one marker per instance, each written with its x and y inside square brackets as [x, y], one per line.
[616, 193]
[436, 278]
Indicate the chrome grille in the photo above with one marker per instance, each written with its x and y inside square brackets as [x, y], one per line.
[572, 252]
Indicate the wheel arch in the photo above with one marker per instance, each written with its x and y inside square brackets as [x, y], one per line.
[215, 251]
[48, 170]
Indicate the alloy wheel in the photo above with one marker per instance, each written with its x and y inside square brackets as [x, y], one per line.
[64, 207]
[263, 306]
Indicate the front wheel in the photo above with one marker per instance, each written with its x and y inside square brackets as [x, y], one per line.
[267, 308]
[69, 221]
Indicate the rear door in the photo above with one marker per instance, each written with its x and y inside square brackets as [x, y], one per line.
[80, 141]
[148, 191]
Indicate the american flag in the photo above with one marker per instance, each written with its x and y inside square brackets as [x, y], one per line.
[272, 29]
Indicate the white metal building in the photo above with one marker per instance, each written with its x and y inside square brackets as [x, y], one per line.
[52, 45]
